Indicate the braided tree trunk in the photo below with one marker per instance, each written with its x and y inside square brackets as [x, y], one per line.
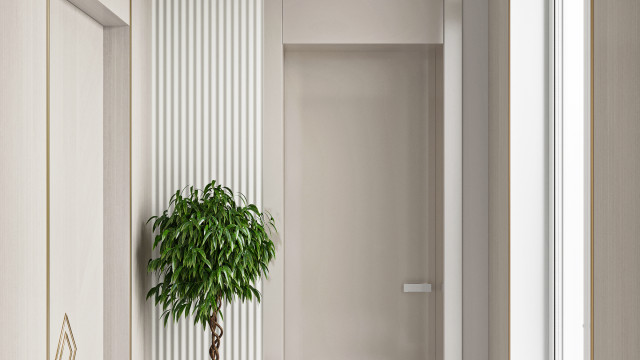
[216, 334]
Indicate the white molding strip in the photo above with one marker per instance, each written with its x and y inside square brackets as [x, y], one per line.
[529, 175]
[452, 182]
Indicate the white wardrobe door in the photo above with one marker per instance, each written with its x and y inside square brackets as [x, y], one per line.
[76, 178]
[23, 179]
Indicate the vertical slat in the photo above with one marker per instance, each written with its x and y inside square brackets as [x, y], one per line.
[207, 125]
[155, 140]
[257, 119]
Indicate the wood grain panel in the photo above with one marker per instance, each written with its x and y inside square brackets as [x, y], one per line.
[116, 193]
[498, 179]
[23, 179]
[476, 180]
[616, 167]
[141, 173]
[76, 202]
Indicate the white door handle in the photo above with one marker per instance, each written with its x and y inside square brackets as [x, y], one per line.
[417, 288]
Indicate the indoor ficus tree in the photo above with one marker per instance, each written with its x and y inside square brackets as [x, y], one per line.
[213, 248]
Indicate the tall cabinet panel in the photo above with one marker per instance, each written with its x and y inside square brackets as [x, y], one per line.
[498, 179]
[76, 177]
[616, 179]
[65, 224]
[23, 179]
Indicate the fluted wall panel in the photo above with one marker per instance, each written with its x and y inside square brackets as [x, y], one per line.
[207, 73]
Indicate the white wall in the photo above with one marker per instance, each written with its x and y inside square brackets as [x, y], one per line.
[529, 181]
[207, 124]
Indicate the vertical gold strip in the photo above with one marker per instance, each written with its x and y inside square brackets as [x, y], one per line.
[591, 174]
[130, 179]
[48, 56]
[509, 174]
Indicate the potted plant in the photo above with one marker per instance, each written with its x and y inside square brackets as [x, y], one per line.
[212, 250]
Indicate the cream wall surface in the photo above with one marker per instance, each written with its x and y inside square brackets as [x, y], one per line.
[207, 81]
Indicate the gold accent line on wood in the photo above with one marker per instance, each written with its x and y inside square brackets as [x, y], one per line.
[66, 340]
[509, 177]
[47, 128]
[591, 175]
[48, 346]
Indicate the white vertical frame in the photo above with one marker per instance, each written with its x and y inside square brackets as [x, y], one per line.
[452, 181]
[529, 180]
[572, 102]
[555, 179]
[273, 176]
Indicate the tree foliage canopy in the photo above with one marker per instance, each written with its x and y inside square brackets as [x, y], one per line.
[212, 249]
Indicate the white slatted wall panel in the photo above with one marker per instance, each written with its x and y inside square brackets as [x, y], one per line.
[207, 101]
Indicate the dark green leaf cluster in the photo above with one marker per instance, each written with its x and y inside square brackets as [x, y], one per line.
[210, 248]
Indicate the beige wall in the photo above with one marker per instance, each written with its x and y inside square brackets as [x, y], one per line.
[363, 21]
[616, 182]
[273, 176]
[23, 179]
[498, 180]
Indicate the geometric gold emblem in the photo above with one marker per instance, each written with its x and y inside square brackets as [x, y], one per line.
[66, 344]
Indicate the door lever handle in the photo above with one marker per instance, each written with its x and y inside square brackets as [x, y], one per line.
[417, 288]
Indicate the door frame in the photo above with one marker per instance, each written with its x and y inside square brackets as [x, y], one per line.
[449, 291]
[562, 16]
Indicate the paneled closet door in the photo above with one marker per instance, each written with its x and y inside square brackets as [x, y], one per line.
[76, 182]
[89, 239]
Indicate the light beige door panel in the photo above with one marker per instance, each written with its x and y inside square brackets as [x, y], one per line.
[360, 190]
[76, 178]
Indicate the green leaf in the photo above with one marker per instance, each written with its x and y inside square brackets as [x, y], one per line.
[213, 244]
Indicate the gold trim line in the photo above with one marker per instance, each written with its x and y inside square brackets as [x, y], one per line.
[48, 118]
[591, 175]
